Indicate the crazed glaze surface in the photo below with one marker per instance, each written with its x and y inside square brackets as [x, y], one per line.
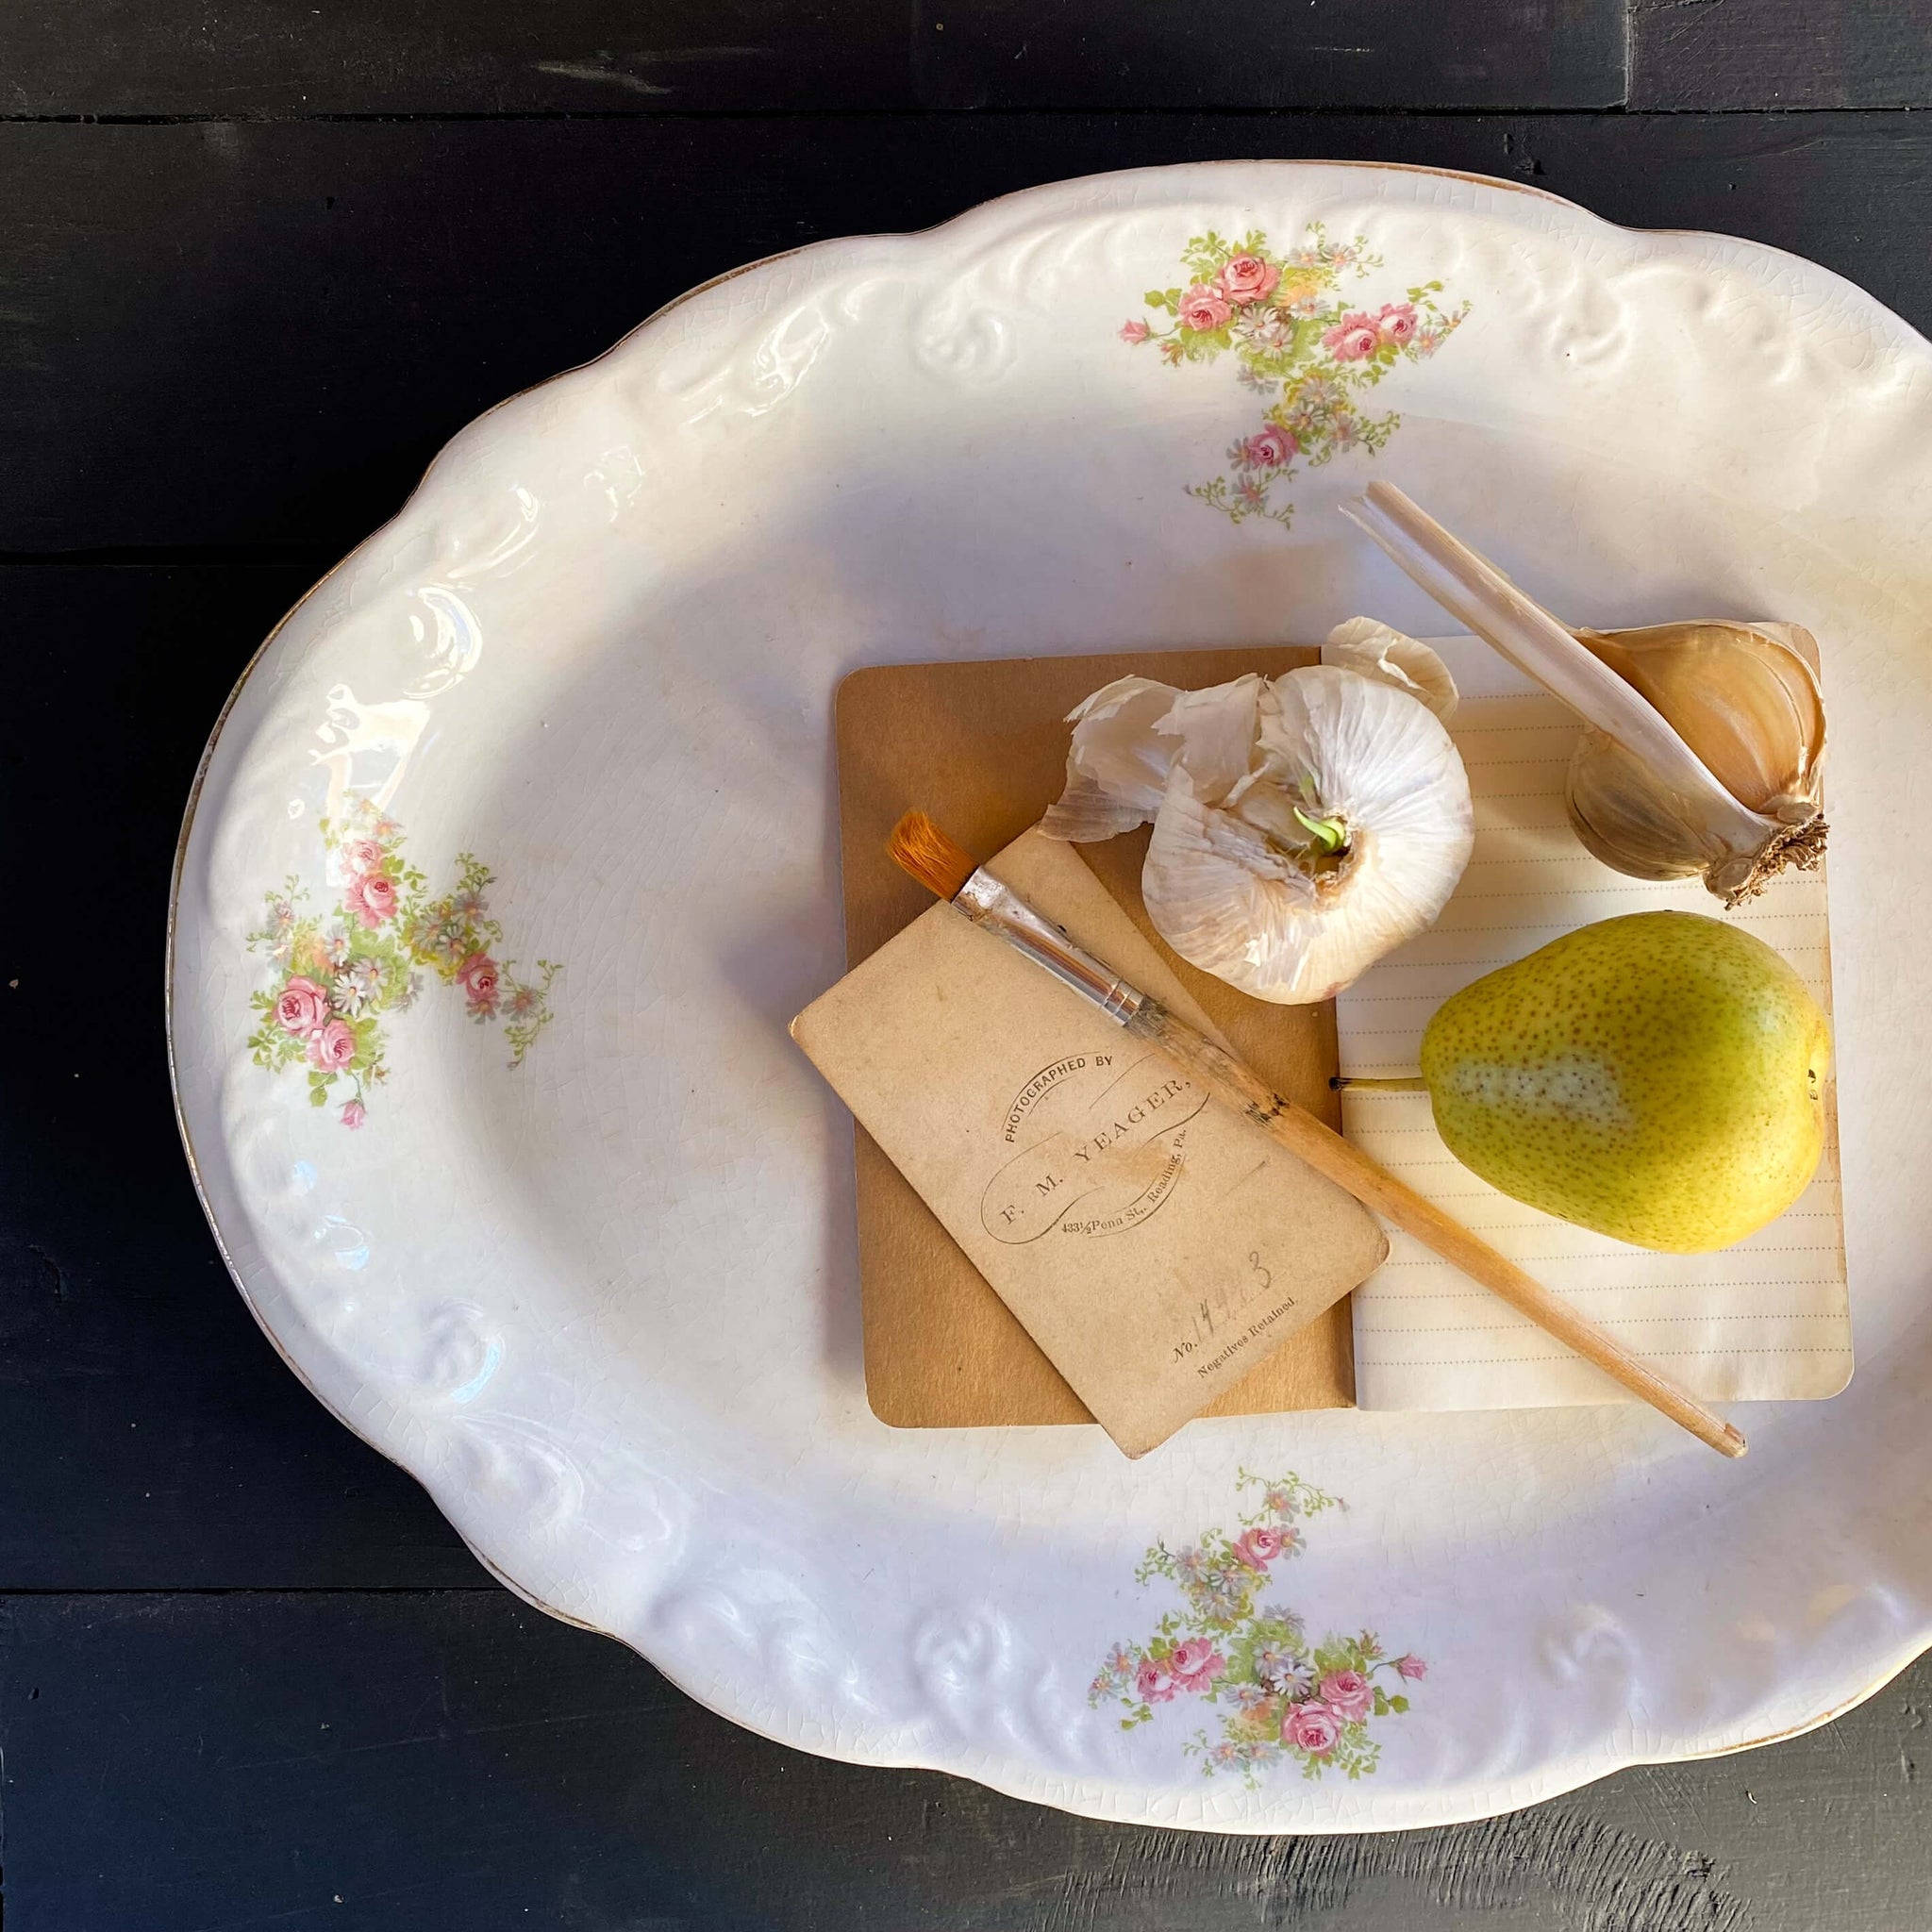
[604, 1305]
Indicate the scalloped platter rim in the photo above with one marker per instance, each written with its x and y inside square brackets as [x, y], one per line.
[512, 853]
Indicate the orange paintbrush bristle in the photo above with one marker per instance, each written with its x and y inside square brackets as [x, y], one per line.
[918, 846]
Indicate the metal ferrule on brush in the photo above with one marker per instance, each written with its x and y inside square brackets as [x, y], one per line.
[1000, 910]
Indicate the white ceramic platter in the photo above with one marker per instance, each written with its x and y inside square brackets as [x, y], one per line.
[573, 1241]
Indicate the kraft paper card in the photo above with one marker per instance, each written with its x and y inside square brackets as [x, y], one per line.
[983, 746]
[1154, 1245]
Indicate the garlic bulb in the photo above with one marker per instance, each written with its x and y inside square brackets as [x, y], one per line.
[1703, 741]
[1303, 827]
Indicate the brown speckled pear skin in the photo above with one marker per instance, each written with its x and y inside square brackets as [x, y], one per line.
[1659, 1078]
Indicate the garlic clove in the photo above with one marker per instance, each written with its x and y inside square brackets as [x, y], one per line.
[1373, 649]
[1748, 704]
[1641, 796]
[1627, 823]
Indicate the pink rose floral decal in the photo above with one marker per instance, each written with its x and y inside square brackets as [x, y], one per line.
[301, 1008]
[336, 982]
[1248, 277]
[1312, 1729]
[332, 1045]
[481, 980]
[1297, 344]
[1279, 1696]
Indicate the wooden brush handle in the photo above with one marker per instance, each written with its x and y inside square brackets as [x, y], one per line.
[1328, 1154]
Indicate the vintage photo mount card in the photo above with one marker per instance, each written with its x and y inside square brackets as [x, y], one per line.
[1154, 1244]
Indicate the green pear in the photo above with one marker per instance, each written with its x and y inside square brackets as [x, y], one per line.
[1659, 1078]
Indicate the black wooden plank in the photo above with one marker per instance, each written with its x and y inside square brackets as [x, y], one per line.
[456, 1762]
[1732, 54]
[266, 58]
[1195, 54]
[149, 1434]
[258, 334]
[255, 58]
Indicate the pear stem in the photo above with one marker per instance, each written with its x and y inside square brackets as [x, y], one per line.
[1413, 1084]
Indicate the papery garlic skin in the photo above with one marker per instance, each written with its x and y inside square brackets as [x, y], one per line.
[1117, 769]
[1361, 643]
[1703, 741]
[1260, 778]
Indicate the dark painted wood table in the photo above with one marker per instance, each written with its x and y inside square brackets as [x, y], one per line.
[257, 261]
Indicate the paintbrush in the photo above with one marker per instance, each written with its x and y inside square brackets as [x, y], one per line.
[951, 873]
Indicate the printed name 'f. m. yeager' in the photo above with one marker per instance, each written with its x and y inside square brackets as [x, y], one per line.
[1135, 1116]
